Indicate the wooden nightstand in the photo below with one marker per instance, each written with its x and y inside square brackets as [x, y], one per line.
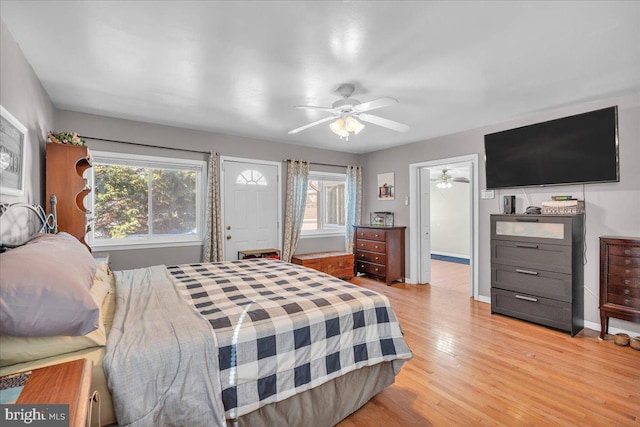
[65, 383]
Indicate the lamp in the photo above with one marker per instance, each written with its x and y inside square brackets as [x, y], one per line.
[343, 126]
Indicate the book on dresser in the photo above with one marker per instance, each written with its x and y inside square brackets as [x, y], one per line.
[537, 271]
[379, 252]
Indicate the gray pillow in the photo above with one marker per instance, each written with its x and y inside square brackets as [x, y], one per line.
[44, 288]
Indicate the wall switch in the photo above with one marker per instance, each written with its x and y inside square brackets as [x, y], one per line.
[406, 200]
[487, 194]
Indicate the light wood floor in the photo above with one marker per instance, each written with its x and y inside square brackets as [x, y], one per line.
[471, 368]
[451, 275]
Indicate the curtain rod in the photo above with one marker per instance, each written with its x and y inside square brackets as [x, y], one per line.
[145, 145]
[321, 164]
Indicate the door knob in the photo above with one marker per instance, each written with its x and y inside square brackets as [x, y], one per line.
[228, 236]
[228, 227]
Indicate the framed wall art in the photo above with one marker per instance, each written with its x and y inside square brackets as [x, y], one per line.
[386, 186]
[13, 146]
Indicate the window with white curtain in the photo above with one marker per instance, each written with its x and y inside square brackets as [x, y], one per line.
[145, 200]
[325, 208]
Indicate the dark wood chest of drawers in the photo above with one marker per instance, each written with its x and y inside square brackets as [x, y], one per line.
[536, 269]
[619, 280]
[379, 252]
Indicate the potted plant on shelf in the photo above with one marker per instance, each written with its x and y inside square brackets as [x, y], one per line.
[70, 138]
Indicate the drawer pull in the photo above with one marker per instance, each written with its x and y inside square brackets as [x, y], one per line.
[377, 258]
[627, 302]
[529, 272]
[627, 282]
[377, 235]
[627, 251]
[527, 219]
[527, 298]
[627, 292]
[527, 246]
[627, 261]
[376, 270]
[377, 247]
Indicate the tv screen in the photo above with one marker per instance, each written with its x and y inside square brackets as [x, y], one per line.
[576, 149]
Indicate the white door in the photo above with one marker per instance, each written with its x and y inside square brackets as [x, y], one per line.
[250, 205]
[425, 226]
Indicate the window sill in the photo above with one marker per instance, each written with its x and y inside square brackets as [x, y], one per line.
[320, 235]
[96, 247]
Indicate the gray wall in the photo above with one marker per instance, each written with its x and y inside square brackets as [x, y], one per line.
[226, 145]
[450, 220]
[612, 209]
[22, 95]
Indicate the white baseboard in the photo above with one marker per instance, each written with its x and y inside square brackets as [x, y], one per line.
[450, 254]
[596, 327]
[484, 299]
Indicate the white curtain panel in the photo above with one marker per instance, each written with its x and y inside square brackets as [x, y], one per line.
[212, 250]
[353, 204]
[297, 177]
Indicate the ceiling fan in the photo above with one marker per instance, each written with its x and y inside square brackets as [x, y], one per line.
[347, 111]
[445, 180]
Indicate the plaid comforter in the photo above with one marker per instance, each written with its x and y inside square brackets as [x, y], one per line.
[283, 328]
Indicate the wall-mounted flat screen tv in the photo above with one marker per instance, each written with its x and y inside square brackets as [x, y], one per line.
[576, 149]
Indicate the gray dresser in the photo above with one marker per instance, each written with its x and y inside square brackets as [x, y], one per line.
[537, 269]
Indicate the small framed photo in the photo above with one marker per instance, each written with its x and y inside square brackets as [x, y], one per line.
[13, 146]
[386, 186]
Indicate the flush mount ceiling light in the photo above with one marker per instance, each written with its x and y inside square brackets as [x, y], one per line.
[347, 113]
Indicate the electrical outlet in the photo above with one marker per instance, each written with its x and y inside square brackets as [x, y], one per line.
[406, 200]
[487, 194]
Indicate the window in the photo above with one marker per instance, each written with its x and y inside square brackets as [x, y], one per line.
[325, 210]
[142, 200]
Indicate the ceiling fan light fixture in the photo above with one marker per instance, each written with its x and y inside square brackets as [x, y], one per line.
[353, 125]
[444, 185]
[337, 127]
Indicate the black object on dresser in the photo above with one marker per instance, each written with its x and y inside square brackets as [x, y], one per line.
[537, 269]
[379, 252]
[619, 280]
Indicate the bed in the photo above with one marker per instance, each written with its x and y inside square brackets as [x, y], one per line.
[251, 342]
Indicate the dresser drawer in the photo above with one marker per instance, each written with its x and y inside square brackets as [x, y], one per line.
[623, 300]
[632, 251]
[624, 272]
[626, 291]
[367, 245]
[542, 283]
[624, 281]
[374, 257]
[365, 267]
[625, 261]
[544, 311]
[538, 256]
[368, 234]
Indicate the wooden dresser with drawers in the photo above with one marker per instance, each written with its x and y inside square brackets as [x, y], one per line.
[619, 280]
[379, 252]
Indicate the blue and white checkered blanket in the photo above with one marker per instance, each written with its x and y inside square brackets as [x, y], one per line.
[283, 328]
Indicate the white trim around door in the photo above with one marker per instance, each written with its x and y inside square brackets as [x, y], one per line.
[224, 159]
[414, 217]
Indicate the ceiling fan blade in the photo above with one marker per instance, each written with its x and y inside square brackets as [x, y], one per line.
[465, 180]
[317, 122]
[316, 108]
[385, 101]
[390, 124]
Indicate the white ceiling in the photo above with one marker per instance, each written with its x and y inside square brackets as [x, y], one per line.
[240, 67]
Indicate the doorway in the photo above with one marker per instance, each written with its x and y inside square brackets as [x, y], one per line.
[457, 177]
[250, 205]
